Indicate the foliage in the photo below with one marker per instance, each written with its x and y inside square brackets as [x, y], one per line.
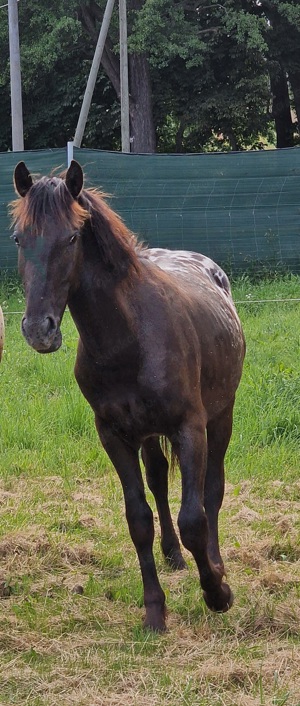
[214, 71]
[55, 61]
[210, 73]
[163, 29]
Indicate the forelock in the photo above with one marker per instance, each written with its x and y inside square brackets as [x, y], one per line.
[48, 197]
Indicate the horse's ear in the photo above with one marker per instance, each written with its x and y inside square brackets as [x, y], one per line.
[74, 179]
[22, 179]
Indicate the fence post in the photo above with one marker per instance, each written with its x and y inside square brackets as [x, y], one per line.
[15, 77]
[93, 74]
[125, 130]
[70, 146]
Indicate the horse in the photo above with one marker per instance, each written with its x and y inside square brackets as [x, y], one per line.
[159, 359]
[1, 333]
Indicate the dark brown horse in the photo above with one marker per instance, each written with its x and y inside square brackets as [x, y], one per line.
[160, 353]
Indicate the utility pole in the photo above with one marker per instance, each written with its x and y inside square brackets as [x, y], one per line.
[125, 130]
[15, 77]
[93, 74]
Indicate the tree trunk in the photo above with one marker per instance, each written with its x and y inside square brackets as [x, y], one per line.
[232, 140]
[281, 109]
[179, 138]
[294, 77]
[142, 130]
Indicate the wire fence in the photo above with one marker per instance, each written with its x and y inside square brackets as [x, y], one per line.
[236, 301]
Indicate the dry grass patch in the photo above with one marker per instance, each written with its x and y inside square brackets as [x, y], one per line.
[59, 646]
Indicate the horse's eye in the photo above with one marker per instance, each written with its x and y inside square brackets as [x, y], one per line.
[16, 239]
[74, 237]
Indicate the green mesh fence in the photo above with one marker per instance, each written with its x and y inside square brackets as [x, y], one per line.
[242, 209]
[38, 162]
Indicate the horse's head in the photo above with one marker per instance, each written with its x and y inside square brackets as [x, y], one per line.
[48, 220]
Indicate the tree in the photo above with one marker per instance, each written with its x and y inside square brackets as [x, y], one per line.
[249, 52]
[140, 107]
[203, 74]
[282, 35]
[181, 55]
[55, 59]
[215, 86]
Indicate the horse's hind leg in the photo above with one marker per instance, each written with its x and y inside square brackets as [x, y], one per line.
[218, 437]
[190, 446]
[156, 466]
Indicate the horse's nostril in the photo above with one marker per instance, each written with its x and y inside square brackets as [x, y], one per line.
[45, 327]
[48, 325]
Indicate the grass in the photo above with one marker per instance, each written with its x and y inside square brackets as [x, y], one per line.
[70, 588]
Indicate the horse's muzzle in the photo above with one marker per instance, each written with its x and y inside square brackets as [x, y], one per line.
[43, 335]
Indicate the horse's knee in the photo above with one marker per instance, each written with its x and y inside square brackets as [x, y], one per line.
[192, 525]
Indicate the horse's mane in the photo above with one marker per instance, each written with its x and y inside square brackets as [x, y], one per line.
[49, 196]
[118, 245]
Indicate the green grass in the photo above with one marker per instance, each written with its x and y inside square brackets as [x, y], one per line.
[62, 526]
[267, 419]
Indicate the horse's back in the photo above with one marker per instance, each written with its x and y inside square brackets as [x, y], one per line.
[203, 284]
[190, 267]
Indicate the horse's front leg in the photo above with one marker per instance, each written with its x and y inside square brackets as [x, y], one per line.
[190, 445]
[140, 521]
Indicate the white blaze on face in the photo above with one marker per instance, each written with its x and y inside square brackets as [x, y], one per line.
[1, 332]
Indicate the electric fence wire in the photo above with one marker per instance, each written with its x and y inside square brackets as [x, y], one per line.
[236, 301]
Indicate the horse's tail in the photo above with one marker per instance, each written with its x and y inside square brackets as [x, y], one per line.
[169, 453]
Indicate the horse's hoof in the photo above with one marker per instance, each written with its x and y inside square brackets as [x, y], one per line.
[176, 561]
[158, 626]
[219, 601]
[155, 618]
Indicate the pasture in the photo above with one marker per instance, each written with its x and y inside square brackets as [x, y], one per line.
[70, 587]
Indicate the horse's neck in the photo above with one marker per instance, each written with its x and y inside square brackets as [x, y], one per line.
[96, 308]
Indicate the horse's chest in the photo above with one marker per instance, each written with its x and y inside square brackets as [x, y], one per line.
[129, 413]
[130, 410]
